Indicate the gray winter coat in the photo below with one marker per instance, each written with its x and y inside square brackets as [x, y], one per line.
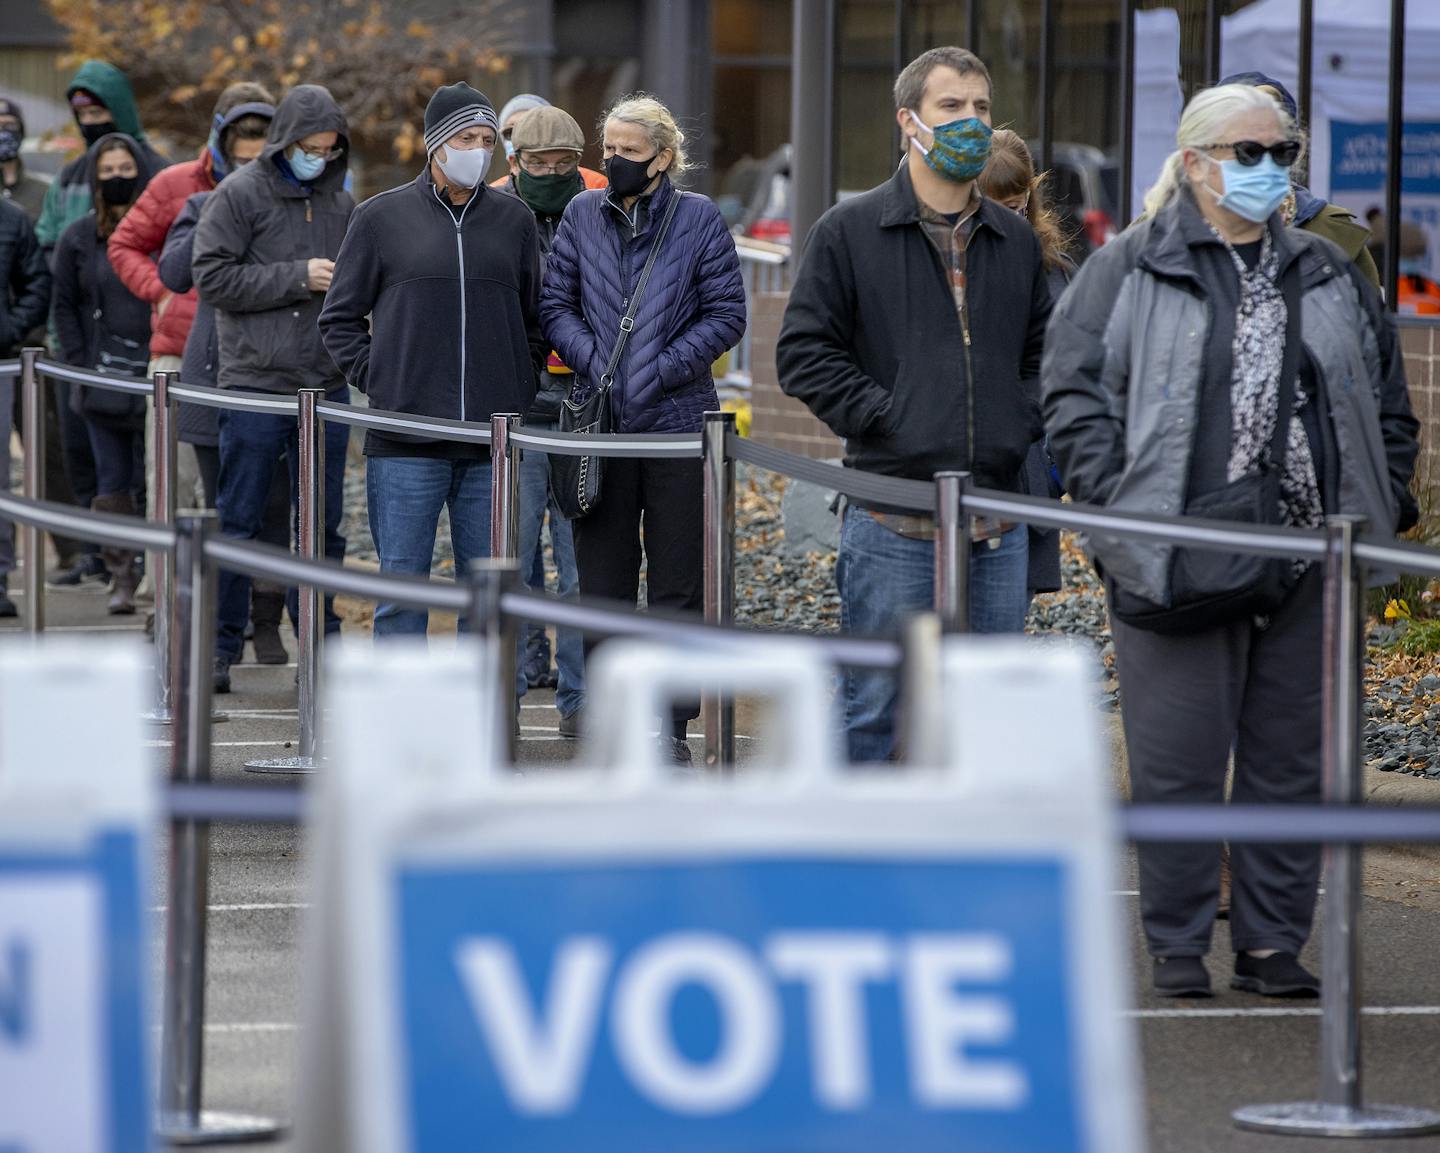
[1122, 374]
[256, 237]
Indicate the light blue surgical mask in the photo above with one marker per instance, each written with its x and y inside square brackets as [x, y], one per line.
[305, 166]
[509, 147]
[1252, 191]
[1414, 266]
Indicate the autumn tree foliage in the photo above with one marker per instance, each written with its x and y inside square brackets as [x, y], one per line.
[380, 58]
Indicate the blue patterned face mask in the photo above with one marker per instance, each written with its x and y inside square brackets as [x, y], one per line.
[958, 150]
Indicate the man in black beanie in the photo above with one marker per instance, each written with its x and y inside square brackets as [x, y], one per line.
[448, 270]
[15, 185]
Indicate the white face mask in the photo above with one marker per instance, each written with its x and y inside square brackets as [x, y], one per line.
[466, 169]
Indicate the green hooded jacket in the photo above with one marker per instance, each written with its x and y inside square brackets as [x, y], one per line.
[69, 196]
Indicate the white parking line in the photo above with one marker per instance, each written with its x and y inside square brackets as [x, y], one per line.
[1221, 1014]
[263, 907]
[226, 744]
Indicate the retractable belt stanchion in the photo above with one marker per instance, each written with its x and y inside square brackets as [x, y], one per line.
[310, 519]
[952, 552]
[717, 709]
[1341, 1111]
[163, 564]
[32, 432]
[181, 1120]
[491, 578]
[504, 487]
[922, 701]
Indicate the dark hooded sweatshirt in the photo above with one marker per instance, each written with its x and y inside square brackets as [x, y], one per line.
[256, 236]
[69, 197]
[89, 299]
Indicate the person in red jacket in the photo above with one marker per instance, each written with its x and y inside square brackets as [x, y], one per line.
[241, 120]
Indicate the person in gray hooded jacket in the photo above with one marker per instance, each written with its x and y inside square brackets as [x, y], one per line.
[264, 255]
[1164, 368]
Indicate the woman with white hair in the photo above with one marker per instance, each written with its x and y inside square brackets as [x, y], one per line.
[1211, 362]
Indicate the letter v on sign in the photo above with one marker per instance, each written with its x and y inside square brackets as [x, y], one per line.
[540, 1053]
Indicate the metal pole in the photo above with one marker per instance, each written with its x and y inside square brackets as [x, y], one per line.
[181, 1120]
[1394, 152]
[1212, 42]
[922, 699]
[504, 487]
[1340, 1111]
[163, 564]
[812, 117]
[1307, 60]
[32, 429]
[1046, 90]
[1127, 112]
[310, 525]
[490, 579]
[716, 709]
[952, 552]
[972, 25]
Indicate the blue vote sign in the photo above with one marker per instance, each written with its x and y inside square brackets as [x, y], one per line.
[827, 1002]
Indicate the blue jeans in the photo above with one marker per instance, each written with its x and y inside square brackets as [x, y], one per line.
[119, 451]
[883, 578]
[534, 500]
[251, 444]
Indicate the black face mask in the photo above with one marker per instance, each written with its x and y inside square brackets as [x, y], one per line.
[9, 144]
[93, 132]
[629, 177]
[118, 189]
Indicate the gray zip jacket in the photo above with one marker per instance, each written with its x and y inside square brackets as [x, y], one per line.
[1122, 374]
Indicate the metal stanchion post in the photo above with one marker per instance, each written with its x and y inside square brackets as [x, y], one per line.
[310, 520]
[163, 564]
[32, 432]
[716, 709]
[181, 1120]
[1341, 1111]
[504, 487]
[922, 712]
[952, 552]
[490, 579]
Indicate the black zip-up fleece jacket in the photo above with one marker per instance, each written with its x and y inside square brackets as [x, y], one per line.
[253, 245]
[453, 295]
[872, 344]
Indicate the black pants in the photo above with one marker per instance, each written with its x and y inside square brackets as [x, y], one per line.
[78, 456]
[663, 497]
[55, 485]
[1187, 701]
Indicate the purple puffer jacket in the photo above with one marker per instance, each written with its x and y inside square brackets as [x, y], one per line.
[691, 313]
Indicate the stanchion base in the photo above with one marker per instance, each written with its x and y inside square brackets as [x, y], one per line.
[293, 765]
[217, 1129]
[1314, 1119]
[166, 717]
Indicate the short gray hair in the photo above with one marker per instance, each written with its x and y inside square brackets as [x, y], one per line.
[647, 113]
[910, 84]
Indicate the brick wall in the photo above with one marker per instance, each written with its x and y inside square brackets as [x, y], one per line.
[776, 419]
[1421, 343]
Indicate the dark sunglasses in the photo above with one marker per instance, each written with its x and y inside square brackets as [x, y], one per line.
[1250, 152]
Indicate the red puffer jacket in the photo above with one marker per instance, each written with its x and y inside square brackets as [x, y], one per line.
[136, 244]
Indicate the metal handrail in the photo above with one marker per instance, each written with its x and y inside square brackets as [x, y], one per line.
[105, 528]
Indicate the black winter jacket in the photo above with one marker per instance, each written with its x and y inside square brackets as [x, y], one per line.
[872, 344]
[25, 295]
[450, 300]
[553, 387]
[199, 424]
[253, 246]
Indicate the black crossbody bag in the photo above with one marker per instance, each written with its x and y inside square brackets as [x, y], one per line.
[1209, 588]
[575, 480]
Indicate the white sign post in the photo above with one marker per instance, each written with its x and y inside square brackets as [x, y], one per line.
[620, 957]
[76, 808]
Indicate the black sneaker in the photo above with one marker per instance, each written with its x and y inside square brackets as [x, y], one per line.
[1182, 977]
[7, 606]
[89, 569]
[222, 675]
[676, 751]
[1278, 975]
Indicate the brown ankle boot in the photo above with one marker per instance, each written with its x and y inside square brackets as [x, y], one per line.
[267, 610]
[125, 575]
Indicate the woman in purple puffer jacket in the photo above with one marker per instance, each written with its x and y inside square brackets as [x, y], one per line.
[692, 311]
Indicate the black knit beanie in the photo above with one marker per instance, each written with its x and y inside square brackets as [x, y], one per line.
[453, 107]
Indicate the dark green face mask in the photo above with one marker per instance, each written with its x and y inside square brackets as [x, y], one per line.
[549, 194]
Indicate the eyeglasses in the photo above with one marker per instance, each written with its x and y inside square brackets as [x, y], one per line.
[559, 168]
[1250, 152]
[321, 154]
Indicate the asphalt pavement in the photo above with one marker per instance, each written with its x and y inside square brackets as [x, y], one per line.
[1200, 1059]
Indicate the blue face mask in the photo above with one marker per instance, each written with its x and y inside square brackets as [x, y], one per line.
[958, 150]
[509, 147]
[305, 166]
[1414, 266]
[1254, 191]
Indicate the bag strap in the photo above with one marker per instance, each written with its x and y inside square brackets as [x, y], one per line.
[1289, 368]
[627, 322]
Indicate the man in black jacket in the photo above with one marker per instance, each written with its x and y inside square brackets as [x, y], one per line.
[24, 302]
[914, 330]
[448, 271]
[251, 265]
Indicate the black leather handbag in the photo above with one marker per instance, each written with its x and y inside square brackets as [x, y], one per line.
[1210, 588]
[575, 480]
